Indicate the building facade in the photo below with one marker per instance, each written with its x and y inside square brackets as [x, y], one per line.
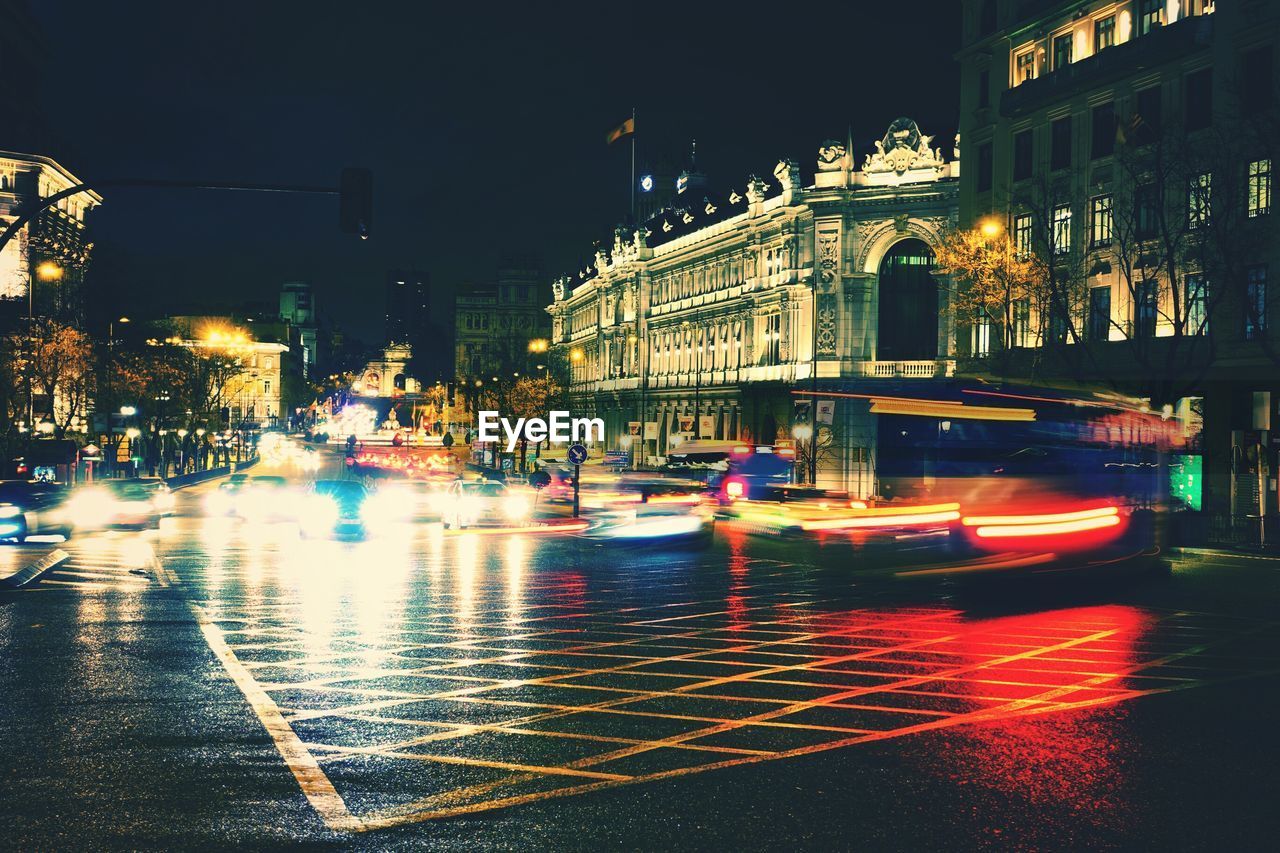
[42, 266]
[255, 385]
[704, 322]
[494, 325]
[298, 310]
[1131, 146]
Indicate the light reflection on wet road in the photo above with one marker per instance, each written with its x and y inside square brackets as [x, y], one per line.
[480, 672]
[417, 676]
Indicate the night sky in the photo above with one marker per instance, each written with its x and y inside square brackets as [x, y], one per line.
[484, 126]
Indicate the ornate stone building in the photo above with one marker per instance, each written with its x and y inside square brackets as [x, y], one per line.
[701, 324]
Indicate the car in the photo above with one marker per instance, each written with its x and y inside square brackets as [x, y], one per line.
[111, 504]
[333, 507]
[263, 498]
[30, 508]
[161, 496]
[469, 503]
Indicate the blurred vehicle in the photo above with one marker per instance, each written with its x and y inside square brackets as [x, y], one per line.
[222, 500]
[29, 508]
[734, 469]
[479, 502]
[650, 523]
[161, 496]
[334, 507]
[264, 498]
[405, 499]
[114, 504]
[1038, 479]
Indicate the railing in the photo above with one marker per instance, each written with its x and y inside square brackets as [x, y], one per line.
[1113, 63]
[909, 369]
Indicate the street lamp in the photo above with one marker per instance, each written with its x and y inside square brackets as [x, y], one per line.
[49, 271]
[804, 433]
[128, 411]
[990, 227]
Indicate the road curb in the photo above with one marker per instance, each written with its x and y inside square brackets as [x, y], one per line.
[32, 572]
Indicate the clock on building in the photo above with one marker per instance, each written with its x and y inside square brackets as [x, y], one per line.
[646, 183]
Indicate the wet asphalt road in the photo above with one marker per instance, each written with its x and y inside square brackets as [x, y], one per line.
[215, 685]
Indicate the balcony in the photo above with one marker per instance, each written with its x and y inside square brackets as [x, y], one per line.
[908, 369]
[1158, 47]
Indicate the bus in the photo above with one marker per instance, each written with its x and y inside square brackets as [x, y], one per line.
[1065, 477]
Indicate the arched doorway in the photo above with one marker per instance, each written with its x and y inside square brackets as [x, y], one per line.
[908, 310]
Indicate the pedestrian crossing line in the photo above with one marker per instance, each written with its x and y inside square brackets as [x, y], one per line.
[315, 785]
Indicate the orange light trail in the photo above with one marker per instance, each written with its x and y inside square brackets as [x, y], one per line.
[985, 520]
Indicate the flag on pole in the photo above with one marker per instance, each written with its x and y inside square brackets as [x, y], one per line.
[627, 128]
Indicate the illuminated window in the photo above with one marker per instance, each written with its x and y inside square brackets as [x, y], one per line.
[772, 338]
[1150, 15]
[1104, 33]
[1255, 319]
[1258, 190]
[1024, 67]
[1198, 194]
[1062, 229]
[1195, 293]
[1022, 235]
[1022, 323]
[1062, 46]
[980, 337]
[1101, 221]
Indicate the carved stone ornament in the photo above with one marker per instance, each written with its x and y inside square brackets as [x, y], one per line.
[557, 289]
[756, 188]
[826, 324]
[788, 174]
[903, 149]
[828, 255]
[830, 156]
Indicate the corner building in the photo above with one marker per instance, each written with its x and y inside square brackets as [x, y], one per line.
[704, 322]
[1119, 138]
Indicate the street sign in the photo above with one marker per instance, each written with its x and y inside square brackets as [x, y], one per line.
[508, 463]
[577, 454]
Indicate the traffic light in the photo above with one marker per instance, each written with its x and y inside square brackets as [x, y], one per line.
[355, 202]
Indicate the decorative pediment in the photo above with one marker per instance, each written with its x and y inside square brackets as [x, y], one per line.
[903, 149]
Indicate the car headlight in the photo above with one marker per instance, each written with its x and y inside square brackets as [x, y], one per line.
[217, 503]
[92, 508]
[320, 511]
[515, 507]
[9, 511]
